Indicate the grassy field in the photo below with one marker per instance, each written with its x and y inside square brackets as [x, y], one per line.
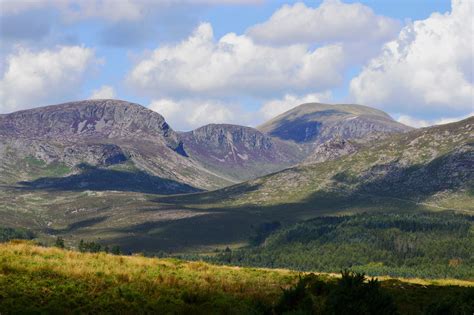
[36, 279]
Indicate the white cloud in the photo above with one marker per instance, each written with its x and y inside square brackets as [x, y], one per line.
[189, 114]
[111, 10]
[38, 78]
[420, 123]
[235, 65]
[276, 107]
[332, 21]
[428, 68]
[104, 92]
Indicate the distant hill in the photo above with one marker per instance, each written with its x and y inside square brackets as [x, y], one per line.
[314, 123]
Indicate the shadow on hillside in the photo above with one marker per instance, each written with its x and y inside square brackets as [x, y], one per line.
[448, 172]
[211, 197]
[394, 189]
[227, 225]
[73, 227]
[301, 129]
[98, 179]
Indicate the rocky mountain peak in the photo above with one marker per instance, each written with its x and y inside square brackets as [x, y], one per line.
[314, 123]
[87, 119]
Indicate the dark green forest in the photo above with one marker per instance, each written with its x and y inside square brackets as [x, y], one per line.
[428, 245]
[7, 234]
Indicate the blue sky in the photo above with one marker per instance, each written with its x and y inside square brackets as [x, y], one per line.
[241, 61]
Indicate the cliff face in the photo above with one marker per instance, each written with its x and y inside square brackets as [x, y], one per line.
[88, 120]
[239, 152]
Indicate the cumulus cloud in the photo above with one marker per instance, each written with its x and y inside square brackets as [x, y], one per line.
[38, 78]
[428, 69]
[275, 107]
[420, 123]
[235, 65]
[189, 114]
[332, 21]
[104, 92]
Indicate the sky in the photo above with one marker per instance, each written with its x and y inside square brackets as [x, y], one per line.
[241, 61]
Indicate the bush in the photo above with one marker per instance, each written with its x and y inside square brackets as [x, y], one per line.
[351, 295]
[59, 242]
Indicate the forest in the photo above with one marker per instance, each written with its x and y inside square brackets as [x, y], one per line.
[426, 245]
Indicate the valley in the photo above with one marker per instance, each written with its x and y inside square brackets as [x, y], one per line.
[101, 171]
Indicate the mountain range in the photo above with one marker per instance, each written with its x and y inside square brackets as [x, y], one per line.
[107, 133]
[117, 171]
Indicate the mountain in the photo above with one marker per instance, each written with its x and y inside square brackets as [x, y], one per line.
[431, 165]
[313, 123]
[100, 169]
[69, 145]
[78, 141]
[239, 153]
[303, 134]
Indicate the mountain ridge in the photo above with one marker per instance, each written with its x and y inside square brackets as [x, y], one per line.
[106, 132]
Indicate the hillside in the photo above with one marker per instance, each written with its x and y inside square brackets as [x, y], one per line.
[49, 280]
[432, 165]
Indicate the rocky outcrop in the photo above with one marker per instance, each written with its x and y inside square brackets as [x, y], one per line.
[331, 150]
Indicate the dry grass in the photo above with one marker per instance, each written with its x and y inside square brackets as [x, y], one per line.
[50, 280]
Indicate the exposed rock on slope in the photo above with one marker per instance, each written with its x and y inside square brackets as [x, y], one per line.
[239, 152]
[331, 150]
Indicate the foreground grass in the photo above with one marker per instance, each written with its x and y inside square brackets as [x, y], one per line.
[54, 280]
[35, 279]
